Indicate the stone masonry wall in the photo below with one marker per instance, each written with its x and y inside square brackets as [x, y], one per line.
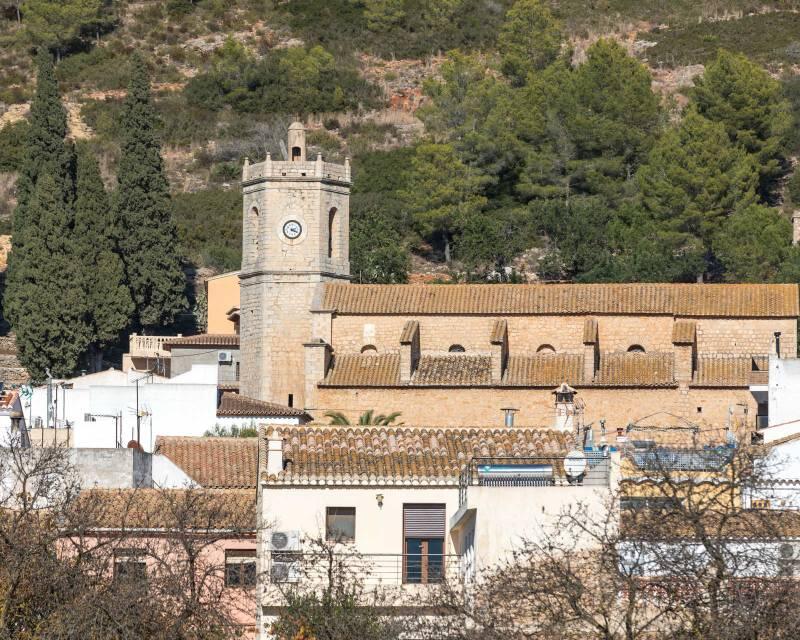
[483, 407]
[565, 333]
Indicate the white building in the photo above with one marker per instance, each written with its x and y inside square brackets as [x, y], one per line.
[411, 506]
[111, 408]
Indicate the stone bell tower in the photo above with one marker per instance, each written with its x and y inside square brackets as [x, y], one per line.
[295, 236]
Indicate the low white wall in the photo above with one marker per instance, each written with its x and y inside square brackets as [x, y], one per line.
[784, 397]
[185, 406]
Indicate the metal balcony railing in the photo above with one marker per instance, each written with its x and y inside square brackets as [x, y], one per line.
[538, 471]
[371, 569]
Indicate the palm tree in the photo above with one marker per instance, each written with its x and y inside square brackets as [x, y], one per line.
[366, 418]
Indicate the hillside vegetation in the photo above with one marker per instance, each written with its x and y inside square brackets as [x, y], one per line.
[500, 140]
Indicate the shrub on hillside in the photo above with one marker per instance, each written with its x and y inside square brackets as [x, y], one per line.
[12, 145]
[210, 227]
[294, 80]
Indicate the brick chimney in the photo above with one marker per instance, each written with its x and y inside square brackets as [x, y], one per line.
[591, 349]
[499, 342]
[274, 452]
[409, 350]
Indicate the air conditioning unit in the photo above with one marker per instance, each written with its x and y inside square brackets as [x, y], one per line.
[284, 569]
[225, 356]
[284, 541]
[285, 564]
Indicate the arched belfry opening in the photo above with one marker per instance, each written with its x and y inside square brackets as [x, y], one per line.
[332, 249]
[297, 142]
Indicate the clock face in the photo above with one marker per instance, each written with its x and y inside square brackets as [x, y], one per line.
[292, 229]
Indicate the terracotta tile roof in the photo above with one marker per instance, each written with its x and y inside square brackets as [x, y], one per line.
[590, 331]
[616, 369]
[214, 463]
[205, 340]
[364, 370]
[457, 370]
[544, 369]
[499, 332]
[234, 405]
[410, 328]
[723, 371]
[401, 454]
[209, 510]
[684, 332]
[625, 369]
[693, 300]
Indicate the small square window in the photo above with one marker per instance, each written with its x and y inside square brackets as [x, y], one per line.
[699, 409]
[340, 524]
[130, 564]
[240, 568]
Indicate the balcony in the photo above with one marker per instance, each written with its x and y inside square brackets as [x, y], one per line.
[534, 472]
[148, 346]
[371, 570]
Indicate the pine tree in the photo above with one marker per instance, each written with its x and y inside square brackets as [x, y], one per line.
[744, 98]
[108, 300]
[50, 331]
[529, 41]
[147, 236]
[45, 153]
[695, 177]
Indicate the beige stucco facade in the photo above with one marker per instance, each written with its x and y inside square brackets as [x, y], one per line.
[222, 296]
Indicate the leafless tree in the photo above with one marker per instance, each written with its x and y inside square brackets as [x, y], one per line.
[138, 563]
[331, 600]
[675, 555]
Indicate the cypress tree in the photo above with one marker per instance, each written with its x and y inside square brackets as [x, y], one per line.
[147, 236]
[50, 330]
[108, 304]
[45, 153]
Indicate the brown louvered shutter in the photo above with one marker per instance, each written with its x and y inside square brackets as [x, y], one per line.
[423, 520]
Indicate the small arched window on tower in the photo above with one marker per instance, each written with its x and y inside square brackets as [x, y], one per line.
[297, 154]
[636, 348]
[332, 233]
[545, 348]
[369, 350]
[456, 348]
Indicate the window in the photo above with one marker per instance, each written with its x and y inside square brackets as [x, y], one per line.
[456, 348]
[340, 524]
[129, 564]
[331, 231]
[636, 348]
[296, 154]
[254, 225]
[423, 543]
[240, 568]
[545, 348]
[290, 400]
[369, 349]
[237, 371]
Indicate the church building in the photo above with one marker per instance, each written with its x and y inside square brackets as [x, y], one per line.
[481, 354]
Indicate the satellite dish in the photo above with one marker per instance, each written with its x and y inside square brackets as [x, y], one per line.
[575, 463]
